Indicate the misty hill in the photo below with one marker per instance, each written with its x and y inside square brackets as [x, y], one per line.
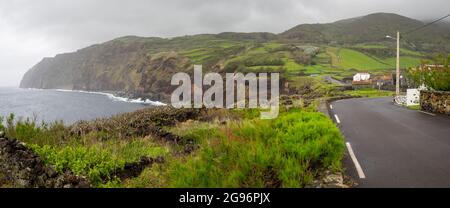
[143, 67]
[373, 28]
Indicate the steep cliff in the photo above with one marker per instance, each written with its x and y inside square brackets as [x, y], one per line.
[128, 65]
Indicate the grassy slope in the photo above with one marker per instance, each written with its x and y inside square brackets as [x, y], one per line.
[351, 59]
[263, 55]
[285, 152]
[369, 93]
[334, 61]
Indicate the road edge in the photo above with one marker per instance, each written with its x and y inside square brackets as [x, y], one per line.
[349, 170]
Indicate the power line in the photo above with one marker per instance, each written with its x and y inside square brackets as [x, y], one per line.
[419, 28]
[426, 25]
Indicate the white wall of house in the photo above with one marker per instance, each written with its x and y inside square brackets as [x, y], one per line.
[361, 77]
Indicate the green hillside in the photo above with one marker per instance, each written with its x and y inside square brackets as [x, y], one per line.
[372, 28]
[142, 67]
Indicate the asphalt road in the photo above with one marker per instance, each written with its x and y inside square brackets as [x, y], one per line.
[395, 146]
[335, 81]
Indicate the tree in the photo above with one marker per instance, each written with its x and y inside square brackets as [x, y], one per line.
[435, 75]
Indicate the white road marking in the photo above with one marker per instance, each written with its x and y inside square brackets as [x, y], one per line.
[428, 113]
[337, 119]
[331, 106]
[355, 161]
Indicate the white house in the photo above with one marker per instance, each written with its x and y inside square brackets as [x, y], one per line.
[361, 77]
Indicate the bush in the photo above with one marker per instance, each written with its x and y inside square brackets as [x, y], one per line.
[29, 131]
[263, 61]
[369, 92]
[99, 161]
[302, 58]
[435, 78]
[2, 127]
[285, 152]
[91, 162]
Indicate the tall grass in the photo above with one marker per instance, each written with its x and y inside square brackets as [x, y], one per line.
[29, 131]
[88, 155]
[285, 152]
[369, 92]
[99, 161]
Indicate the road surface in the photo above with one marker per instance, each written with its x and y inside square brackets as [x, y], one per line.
[335, 81]
[394, 146]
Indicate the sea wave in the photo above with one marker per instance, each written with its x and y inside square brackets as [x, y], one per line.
[33, 89]
[117, 98]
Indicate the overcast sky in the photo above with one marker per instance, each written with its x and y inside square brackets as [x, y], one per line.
[33, 29]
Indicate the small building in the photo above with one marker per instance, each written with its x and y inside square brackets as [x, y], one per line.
[362, 80]
[383, 82]
[385, 79]
[358, 77]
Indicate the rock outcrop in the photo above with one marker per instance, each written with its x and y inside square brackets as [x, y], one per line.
[20, 167]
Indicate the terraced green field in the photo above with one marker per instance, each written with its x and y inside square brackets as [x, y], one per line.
[338, 62]
[351, 59]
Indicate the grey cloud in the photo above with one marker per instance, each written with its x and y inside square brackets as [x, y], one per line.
[30, 30]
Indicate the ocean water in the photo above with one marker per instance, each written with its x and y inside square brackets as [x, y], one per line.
[64, 105]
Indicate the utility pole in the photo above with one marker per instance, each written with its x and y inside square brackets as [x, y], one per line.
[397, 83]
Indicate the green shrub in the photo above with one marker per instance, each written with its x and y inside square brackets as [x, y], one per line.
[10, 127]
[263, 61]
[2, 127]
[369, 92]
[284, 152]
[99, 161]
[438, 78]
[29, 132]
[92, 162]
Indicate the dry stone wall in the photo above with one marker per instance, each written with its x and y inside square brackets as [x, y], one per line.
[20, 167]
[435, 101]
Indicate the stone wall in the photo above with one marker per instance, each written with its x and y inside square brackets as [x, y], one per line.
[435, 101]
[20, 167]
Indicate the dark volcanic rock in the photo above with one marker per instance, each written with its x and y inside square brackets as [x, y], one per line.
[435, 101]
[22, 168]
[139, 123]
[131, 170]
